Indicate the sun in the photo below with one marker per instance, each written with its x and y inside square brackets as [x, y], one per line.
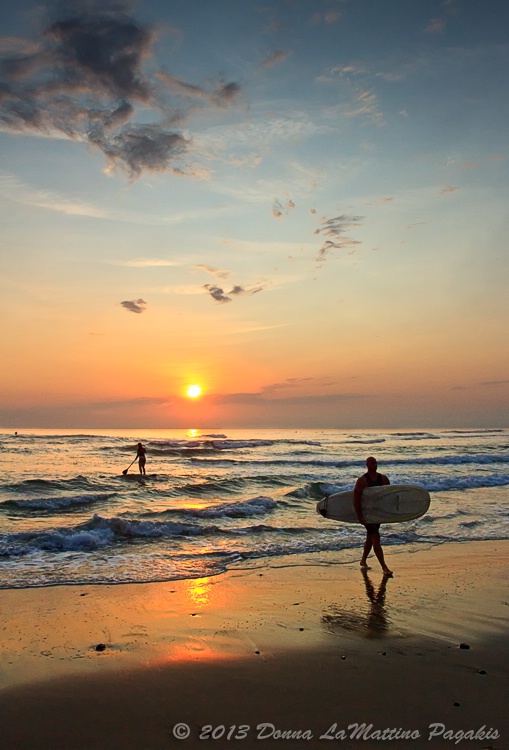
[193, 391]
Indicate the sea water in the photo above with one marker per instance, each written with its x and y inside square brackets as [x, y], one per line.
[214, 500]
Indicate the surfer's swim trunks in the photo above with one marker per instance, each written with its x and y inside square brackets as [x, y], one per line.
[372, 528]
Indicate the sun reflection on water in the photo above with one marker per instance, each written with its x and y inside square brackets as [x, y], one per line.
[199, 590]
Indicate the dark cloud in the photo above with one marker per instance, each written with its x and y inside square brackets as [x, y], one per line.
[220, 296]
[134, 305]
[105, 51]
[143, 147]
[336, 229]
[217, 293]
[84, 77]
[221, 95]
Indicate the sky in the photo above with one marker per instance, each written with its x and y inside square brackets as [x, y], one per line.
[300, 206]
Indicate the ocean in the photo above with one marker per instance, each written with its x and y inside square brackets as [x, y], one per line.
[219, 500]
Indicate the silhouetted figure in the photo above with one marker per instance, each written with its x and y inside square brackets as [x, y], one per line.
[142, 458]
[370, 479]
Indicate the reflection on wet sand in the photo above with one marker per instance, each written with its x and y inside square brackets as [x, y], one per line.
[373, 622]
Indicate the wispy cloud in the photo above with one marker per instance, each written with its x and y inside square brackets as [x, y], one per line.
[336, 229]
[384, 201]
[448, 189]
[290, 385]
[134, 305]
[84, 79]
[365, 104]
[274, 58]
[217, 272]
[262, 398]
[482, 384]
[17, 190]
[222, 94]
[435, 26]
[280, 209]
[328, 17]
[461, 164]
[145, 263]
[247, 142]
[415, 224]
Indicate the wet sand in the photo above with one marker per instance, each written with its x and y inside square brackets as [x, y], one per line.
[298, 655]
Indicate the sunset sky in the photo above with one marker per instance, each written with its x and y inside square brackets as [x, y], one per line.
[299, 205]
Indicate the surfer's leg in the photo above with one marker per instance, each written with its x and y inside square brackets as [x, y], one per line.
[377, 549]
[368, 544]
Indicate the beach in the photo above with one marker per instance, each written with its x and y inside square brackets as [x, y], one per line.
[290, 652]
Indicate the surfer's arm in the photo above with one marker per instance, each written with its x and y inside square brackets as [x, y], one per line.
[385, 479]
[359, 488]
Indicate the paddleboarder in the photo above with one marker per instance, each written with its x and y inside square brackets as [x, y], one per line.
[142, 458]
[372, 478]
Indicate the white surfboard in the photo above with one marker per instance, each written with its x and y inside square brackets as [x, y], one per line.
[391, 503]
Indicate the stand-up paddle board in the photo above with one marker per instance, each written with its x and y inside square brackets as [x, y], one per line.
[391, 503]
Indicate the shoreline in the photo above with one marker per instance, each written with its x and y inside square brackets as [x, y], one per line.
[305, 644]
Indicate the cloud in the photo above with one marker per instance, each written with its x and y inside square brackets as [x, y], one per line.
[145, 263]
[435, 26]
[14, 189]
[383, 201]
[218, 273]
[482, 384]
[328, 17]
[223, 94]
[20, 192]
[220, 296]
[261, 399]
[448, 189]
[217, 293]
[84, 79]
[292, 384]
[275, 58]
[246, 142]
[134, 305]
[365, 104]
[335, 229]
[279, 209]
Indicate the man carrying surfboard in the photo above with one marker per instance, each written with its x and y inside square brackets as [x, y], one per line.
[370, 479]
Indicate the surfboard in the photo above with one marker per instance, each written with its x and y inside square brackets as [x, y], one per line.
[391, 503]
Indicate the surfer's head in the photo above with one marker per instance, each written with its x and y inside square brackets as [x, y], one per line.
[371, 464]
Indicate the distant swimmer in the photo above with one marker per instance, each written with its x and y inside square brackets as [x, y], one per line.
[142, 458]
[370, 479]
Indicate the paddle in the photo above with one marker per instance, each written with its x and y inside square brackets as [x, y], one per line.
[126, 470]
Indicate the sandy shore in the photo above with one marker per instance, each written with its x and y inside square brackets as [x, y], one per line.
[309, 649]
